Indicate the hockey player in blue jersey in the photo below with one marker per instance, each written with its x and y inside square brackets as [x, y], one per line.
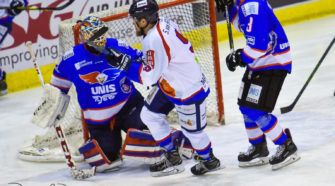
[7, 15]
[267, 59]
[6, 19]
[108, 99]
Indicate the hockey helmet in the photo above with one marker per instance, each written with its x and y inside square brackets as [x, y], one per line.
[147, 9]
[89, 26]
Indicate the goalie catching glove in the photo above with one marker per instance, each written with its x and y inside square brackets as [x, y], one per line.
[52, 105]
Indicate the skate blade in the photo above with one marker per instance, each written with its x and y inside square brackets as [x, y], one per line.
[169, 171]
[254, 162]
[289, 160]
[216, 169]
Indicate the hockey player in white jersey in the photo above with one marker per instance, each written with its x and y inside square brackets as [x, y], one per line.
[267, 59]
[177, 82]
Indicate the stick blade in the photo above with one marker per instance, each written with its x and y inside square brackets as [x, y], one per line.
[287, 109]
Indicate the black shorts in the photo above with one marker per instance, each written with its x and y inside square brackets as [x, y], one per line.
[260, 90]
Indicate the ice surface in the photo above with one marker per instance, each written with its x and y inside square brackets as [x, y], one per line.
[312, 124]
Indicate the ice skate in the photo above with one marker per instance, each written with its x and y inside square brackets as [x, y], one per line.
[255, 156]
[286, 153]
[170, 164]
[205, 166]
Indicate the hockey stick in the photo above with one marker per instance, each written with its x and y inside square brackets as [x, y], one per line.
[41, 8]
[78, 174]
[230, 33]
[289, 108]
[38, 71]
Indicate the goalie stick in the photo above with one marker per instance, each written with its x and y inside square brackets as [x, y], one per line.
[41, 8]
[78, 174]
[38, 71]
[289, 108]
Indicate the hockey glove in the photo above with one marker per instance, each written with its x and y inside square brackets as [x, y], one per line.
[221, 4]
[14, 7]
[234, 59]
[118, 60]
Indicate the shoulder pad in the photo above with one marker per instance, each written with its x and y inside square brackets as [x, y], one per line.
[251, 8]
[68, 54]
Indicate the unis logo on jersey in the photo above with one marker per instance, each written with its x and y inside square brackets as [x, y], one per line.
[151, 58]
[100, 77]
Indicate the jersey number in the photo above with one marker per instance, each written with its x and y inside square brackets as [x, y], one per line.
[249, 27]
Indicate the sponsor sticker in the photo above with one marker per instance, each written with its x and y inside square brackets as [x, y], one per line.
[254, 93]
[250, 9]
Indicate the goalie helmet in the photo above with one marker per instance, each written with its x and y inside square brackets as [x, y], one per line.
[89, 26]
[147, 9]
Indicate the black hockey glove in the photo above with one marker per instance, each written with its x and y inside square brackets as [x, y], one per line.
[221, 4]
[234, 59]
[118, 60]
[14, 7]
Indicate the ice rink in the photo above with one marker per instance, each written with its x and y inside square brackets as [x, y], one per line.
[312, 124]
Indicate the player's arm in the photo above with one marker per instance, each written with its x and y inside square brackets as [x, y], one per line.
[157, 58]
[255, 31]
[60, 76]
[253, 23]
[53, 96]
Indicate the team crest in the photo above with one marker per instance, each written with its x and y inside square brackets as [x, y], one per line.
[151, 58]
[125, 88]
[102, 78]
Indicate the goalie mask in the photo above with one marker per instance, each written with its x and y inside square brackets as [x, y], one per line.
[88, 27]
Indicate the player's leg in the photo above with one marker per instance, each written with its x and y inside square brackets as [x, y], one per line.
[193, 120]
[257, 153]
[103, 148]
[3, 84]
[261, 90]
[153, 114]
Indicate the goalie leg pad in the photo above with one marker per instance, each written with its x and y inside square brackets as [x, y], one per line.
[94, 156]
[140, 145]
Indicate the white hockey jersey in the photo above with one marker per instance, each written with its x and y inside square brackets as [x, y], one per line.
[171, 64]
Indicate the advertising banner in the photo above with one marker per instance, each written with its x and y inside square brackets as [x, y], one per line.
[41, 28]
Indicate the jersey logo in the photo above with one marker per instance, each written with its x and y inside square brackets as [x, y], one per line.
[100, 78]
[250, 9]
[68, 54]
[250, 40]
[82, 63]
[142, 3]
[151, 58]
[125, 87]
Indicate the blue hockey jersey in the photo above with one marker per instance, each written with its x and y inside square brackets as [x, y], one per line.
[267, 46]
[102, 89]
